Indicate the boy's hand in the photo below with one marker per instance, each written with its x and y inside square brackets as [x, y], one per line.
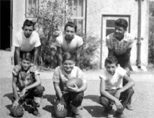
[118, 104]
[15, 104]
[74, 88]
[23, 92]
[60, 107]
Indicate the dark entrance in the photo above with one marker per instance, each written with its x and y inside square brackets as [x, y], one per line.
[5, 24]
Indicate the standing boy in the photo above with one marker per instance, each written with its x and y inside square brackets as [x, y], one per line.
[26, 85]
[119, 45]
[112, 89]
[68, 98]
[69, 42]
[26, 40]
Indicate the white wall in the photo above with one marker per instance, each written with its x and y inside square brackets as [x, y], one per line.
[97, 8]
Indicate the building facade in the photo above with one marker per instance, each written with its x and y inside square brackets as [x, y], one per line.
[97, 17]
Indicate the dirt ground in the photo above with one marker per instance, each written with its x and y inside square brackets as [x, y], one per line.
[142, 99]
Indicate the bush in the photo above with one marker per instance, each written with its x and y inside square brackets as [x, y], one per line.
[89, 52]
[151, 35]
[49, 19]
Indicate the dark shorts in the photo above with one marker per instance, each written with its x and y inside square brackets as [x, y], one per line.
[124, 60]
[74, 99]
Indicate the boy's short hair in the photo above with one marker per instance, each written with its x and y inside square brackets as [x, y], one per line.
[26, 56]
[71, 24]
[28, 23]
[68, 56]
[111, 60]
[122, 23]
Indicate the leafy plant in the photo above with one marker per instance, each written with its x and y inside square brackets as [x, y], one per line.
[49, 18]
[151, 34]
[89, 52]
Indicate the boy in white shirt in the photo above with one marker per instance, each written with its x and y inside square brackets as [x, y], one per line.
[112, 90]
[26, 40]
[69, 42]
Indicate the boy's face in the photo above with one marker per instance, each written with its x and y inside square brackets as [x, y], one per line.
[111, 68]
[69, 33]
[68, 65]
[25, 64]
[28, 31]
[119, 32]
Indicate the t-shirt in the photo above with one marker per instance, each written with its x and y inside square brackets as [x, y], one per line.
[24, 78]
[26, 44]
[119, 47]
[113, 81]
[71, 47]
[62, 77]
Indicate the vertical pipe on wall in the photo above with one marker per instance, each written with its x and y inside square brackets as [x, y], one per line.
[138, 61]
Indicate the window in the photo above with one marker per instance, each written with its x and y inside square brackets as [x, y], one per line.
[78, 14]
[108, 24]
[31, 7]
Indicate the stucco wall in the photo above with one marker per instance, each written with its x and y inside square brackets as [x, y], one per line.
[18, 17]
[97, 8]
[18, 14]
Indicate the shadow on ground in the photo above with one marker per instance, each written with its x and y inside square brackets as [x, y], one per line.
[95, 109]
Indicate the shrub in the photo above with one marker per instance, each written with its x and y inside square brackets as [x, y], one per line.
[151, 34]
[89, 53]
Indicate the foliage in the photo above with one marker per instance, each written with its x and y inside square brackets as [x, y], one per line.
[90, 49]
[49, 19]
[151, 33]
[151, 40]
[50, 16]
[151, 8]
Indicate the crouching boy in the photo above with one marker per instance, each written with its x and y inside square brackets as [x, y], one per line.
[26, 86]
[112, 90]
[69, 98]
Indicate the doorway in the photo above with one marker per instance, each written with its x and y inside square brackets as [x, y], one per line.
[5, 24]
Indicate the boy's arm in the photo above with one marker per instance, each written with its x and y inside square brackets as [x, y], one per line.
[104, 92]
[60, 59]
[130, 83]
[36, 49]
[14, 87]
[36, 83]
[110, 52]
[59, 93]
[57, 90]
[17, 55]
[78, 52]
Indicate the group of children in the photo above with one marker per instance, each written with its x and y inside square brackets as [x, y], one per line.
[27, 86]
[115, 81]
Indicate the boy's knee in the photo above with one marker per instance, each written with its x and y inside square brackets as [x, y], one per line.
[130, 91]
[103, 100]
[38, 91]
[78, 99]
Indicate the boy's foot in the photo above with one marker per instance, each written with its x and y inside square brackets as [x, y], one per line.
[110, 114]
[36, 113]
[78, 116]
[119, 115]
[129, 107]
